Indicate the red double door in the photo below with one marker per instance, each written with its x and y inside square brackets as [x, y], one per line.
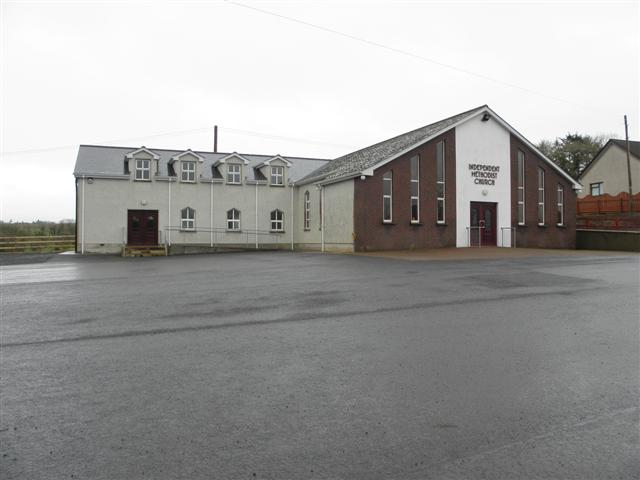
[142, 227]
[483, 224]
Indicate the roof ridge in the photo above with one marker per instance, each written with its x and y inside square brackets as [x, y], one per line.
[412, 131]
[204, 151]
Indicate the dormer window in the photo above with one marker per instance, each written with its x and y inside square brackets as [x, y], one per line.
[233, 173]
[143, 169]
[277, 175]
[188, 171]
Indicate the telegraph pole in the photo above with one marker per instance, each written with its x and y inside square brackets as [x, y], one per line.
[626, 134]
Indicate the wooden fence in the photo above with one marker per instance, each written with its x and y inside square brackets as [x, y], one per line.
[620, 203]
[34, 244]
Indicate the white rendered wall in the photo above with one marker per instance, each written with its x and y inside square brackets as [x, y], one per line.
[486, 143]
[611, 170]
[338, 217]
[106, 203]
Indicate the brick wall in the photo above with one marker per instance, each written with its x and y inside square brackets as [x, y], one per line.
[372, 234]
[531, 234]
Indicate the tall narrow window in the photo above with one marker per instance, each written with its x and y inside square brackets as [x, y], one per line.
[387, 192]
[520, 188]
[188, 219]
[440, 181]
[188, 171]
[307, 210]
[277, 221]
[415, 188]
[277, 176]
[560, 205]
[233, 173]
[233, 219]
[540, 196]
[143, 169]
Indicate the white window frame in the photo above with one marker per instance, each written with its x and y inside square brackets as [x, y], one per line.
[541, 209]
[307, 210]
[234, 172]
[520, 189]
[595, 184]
[277, 175]
[414, 198]
[387, 177]
[233, 220]
[142, 170]
[441, 181]
[188, 171]
[560, 202]
[187, 222]
[277, 220]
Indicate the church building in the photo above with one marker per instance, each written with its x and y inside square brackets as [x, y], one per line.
[468, 180]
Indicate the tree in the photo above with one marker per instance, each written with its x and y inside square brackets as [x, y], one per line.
[573, 152]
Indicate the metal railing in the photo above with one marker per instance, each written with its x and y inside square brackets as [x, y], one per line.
[248, 235]
[469, 230]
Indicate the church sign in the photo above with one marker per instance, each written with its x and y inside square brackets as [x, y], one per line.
[484, 174]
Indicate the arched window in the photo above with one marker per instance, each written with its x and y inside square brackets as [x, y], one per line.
[277, 221]
[233, 219]
[188, 219]
[307, 210]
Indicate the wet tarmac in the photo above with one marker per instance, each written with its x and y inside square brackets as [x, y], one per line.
[305, 366]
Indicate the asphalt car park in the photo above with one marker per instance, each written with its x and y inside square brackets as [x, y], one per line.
[287, 366]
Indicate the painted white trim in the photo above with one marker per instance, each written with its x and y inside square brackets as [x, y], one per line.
[322, 210]
[233, 174]
[560, 204]
[225, 159]
[544, 200]
[200, 158]
[277, 157]
[444, 184]
[211, 217]
[292, 221]
[271, 175]
[130, 155]
[384, 179]
[369, 171]
[256, 209]
[83, 226]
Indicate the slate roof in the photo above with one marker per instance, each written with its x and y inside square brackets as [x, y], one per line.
[105, 160]
[634, 149]
[360, 160]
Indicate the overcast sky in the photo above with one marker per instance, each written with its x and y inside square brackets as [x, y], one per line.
[331, 77]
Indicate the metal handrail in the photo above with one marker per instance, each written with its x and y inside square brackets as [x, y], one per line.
[215, 230]
[479, 236]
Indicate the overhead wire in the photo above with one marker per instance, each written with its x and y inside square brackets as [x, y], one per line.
[236, 131]
[405, 53]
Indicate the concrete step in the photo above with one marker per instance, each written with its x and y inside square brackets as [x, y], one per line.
[144, 251]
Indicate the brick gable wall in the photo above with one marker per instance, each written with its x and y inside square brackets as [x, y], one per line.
[533, 235]
[372, 234]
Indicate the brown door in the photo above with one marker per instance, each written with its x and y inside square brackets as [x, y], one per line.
[142, 227]
[483, 224]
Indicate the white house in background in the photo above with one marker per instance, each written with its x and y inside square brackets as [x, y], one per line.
[608, 172]
[469, 179]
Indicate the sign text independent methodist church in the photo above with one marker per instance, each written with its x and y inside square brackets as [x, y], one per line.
[484, 174]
